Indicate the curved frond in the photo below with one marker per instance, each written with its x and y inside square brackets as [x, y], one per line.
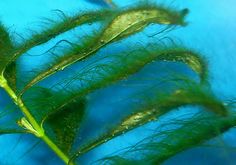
[6, 47]
[159, 105]
[61, 126]
[123, 65]
[123, 25]
[191, 132]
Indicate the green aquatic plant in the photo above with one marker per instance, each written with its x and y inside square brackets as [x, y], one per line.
[55, 114]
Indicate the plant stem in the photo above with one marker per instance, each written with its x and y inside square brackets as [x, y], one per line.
[37, 129]
[54, 147]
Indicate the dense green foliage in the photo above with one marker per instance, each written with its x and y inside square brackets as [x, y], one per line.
[55, 114]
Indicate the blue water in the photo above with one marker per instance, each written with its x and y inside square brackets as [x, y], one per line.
[211, 30]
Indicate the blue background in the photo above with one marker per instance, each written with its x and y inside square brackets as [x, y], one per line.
[211, 30]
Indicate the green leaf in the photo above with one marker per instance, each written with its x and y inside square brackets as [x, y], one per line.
[123, 25]
[60, 125]
[5, 43]
[156, 107]
[9, 53]
[55, 115]
[10, 75]
[64, 124]
[191, 58]
[6, 47]
[120, 68]
[58, 28]
[191, 132]
[36, 100]
[124, 65]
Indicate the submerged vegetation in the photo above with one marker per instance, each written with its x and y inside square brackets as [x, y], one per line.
[55, 114]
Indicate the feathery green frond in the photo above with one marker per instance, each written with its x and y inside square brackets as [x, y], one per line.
[55, 115]
[125, 64]
[6, 47]
[159, 105]
[190, 133]
[9, 53]
[123, 25]
[10, 75]
[58, 28]
[5, 42]
[121, 67]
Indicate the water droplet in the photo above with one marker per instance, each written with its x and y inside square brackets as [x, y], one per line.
[102, 41]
